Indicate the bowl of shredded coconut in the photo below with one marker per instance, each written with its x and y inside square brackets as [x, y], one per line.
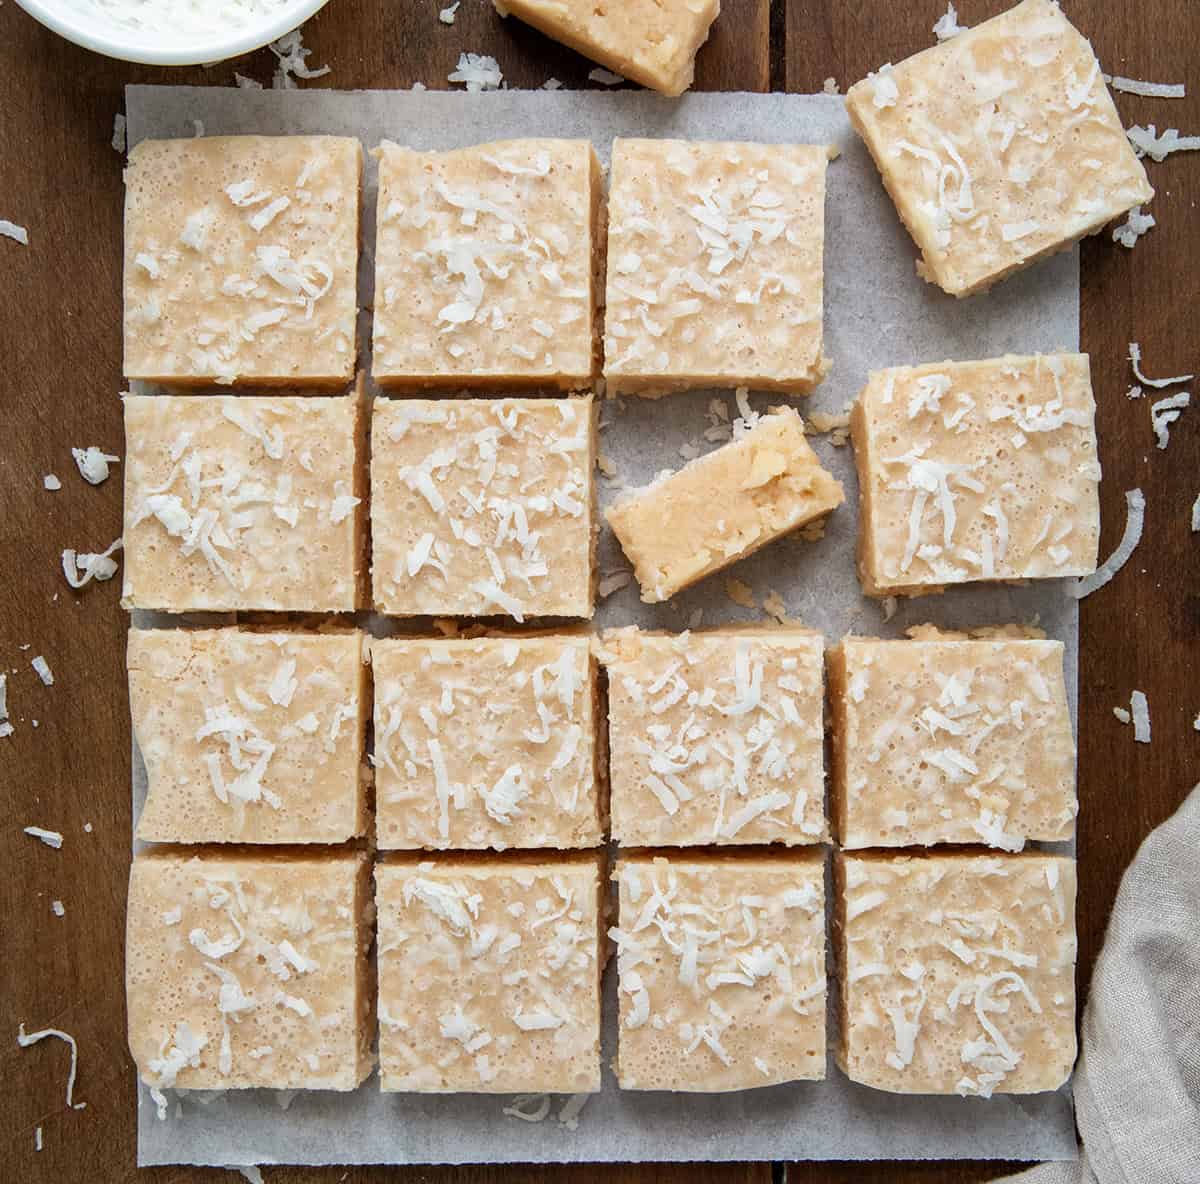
[171, 32]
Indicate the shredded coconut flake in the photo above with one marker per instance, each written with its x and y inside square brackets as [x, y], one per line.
[1164, 413]
[1133, 227]
[83, 568]
[528, 1107]
[1140, 711]
[830, 87]
[605, 77]
[1146, 142]
[947, 25]
[477, 72]
[12, 230]
[25, 1040]
[119, 133]
[50, 481]
[50, 837]
[1148, 90]
[292, 56]
[1196, 514]
[42, 669]
[447, 15]
[1135, 360]
[1134, 523]
[93, 464]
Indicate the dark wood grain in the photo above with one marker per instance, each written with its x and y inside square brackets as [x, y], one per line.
[59, 340]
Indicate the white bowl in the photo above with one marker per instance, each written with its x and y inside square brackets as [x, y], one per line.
[85, 25]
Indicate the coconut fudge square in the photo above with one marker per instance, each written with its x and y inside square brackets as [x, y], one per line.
[653, 42]
[482, 507]
[715, 737]
[486, 742]
[241, 257]
[489, 975]
[957, 972]
[999, 146]
[244, 502]
[715, 266]
[246, 971]
[951, 739]
[724, 506]
[976, 471]
[721, 969]
[485, 264]
[249, 737]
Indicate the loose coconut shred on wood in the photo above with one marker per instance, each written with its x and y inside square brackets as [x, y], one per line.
[1134, 523]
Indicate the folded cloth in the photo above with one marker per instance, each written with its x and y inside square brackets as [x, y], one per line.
[1137, 1084]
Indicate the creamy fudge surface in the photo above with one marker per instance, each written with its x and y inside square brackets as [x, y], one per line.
[721, 966]
[653, 42]
[246, 971]
[723, 506]
[241, 257]
[482, 507]
[980, 470]
[249, 737]
[240, 502]
[715, 737]
[999, 146]
[485, 264]
[488, 742]
[715, 266]
[957, 972]
[951, 741]
[489, 975]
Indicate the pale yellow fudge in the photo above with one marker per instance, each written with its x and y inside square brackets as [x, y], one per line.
[483, 507]
[246, 971]
[721, 969]
[249, 737]
[653, 42]
[715, 737]
[240, 502]
[485, 265]
[724, 506]
[949, 739]
[998, 146]
[715, 266]
[486, 742]
[489, 975]
[976, 471]
[241, 258]
[956, 972]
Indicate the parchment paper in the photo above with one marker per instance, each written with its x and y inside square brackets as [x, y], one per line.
[877, 313]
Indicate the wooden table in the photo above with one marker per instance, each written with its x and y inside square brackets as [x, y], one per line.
[60, 342]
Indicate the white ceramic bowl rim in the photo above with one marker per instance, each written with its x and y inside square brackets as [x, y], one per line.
[129, 46]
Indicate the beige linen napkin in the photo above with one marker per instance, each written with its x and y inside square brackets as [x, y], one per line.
[1137, 1084]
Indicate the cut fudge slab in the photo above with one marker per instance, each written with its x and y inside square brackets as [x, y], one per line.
[714, 266]
[999, 146]
[243, 503]
[487, 742]
[721, 507]
[244, 971]
[957, 972]
[976, 471]
[489, 975]
[484, 264]
[653, 42]
[721, 962]
[482, 507]
[241, 256]
[715, 737]
[249, 737]
[947, 739]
